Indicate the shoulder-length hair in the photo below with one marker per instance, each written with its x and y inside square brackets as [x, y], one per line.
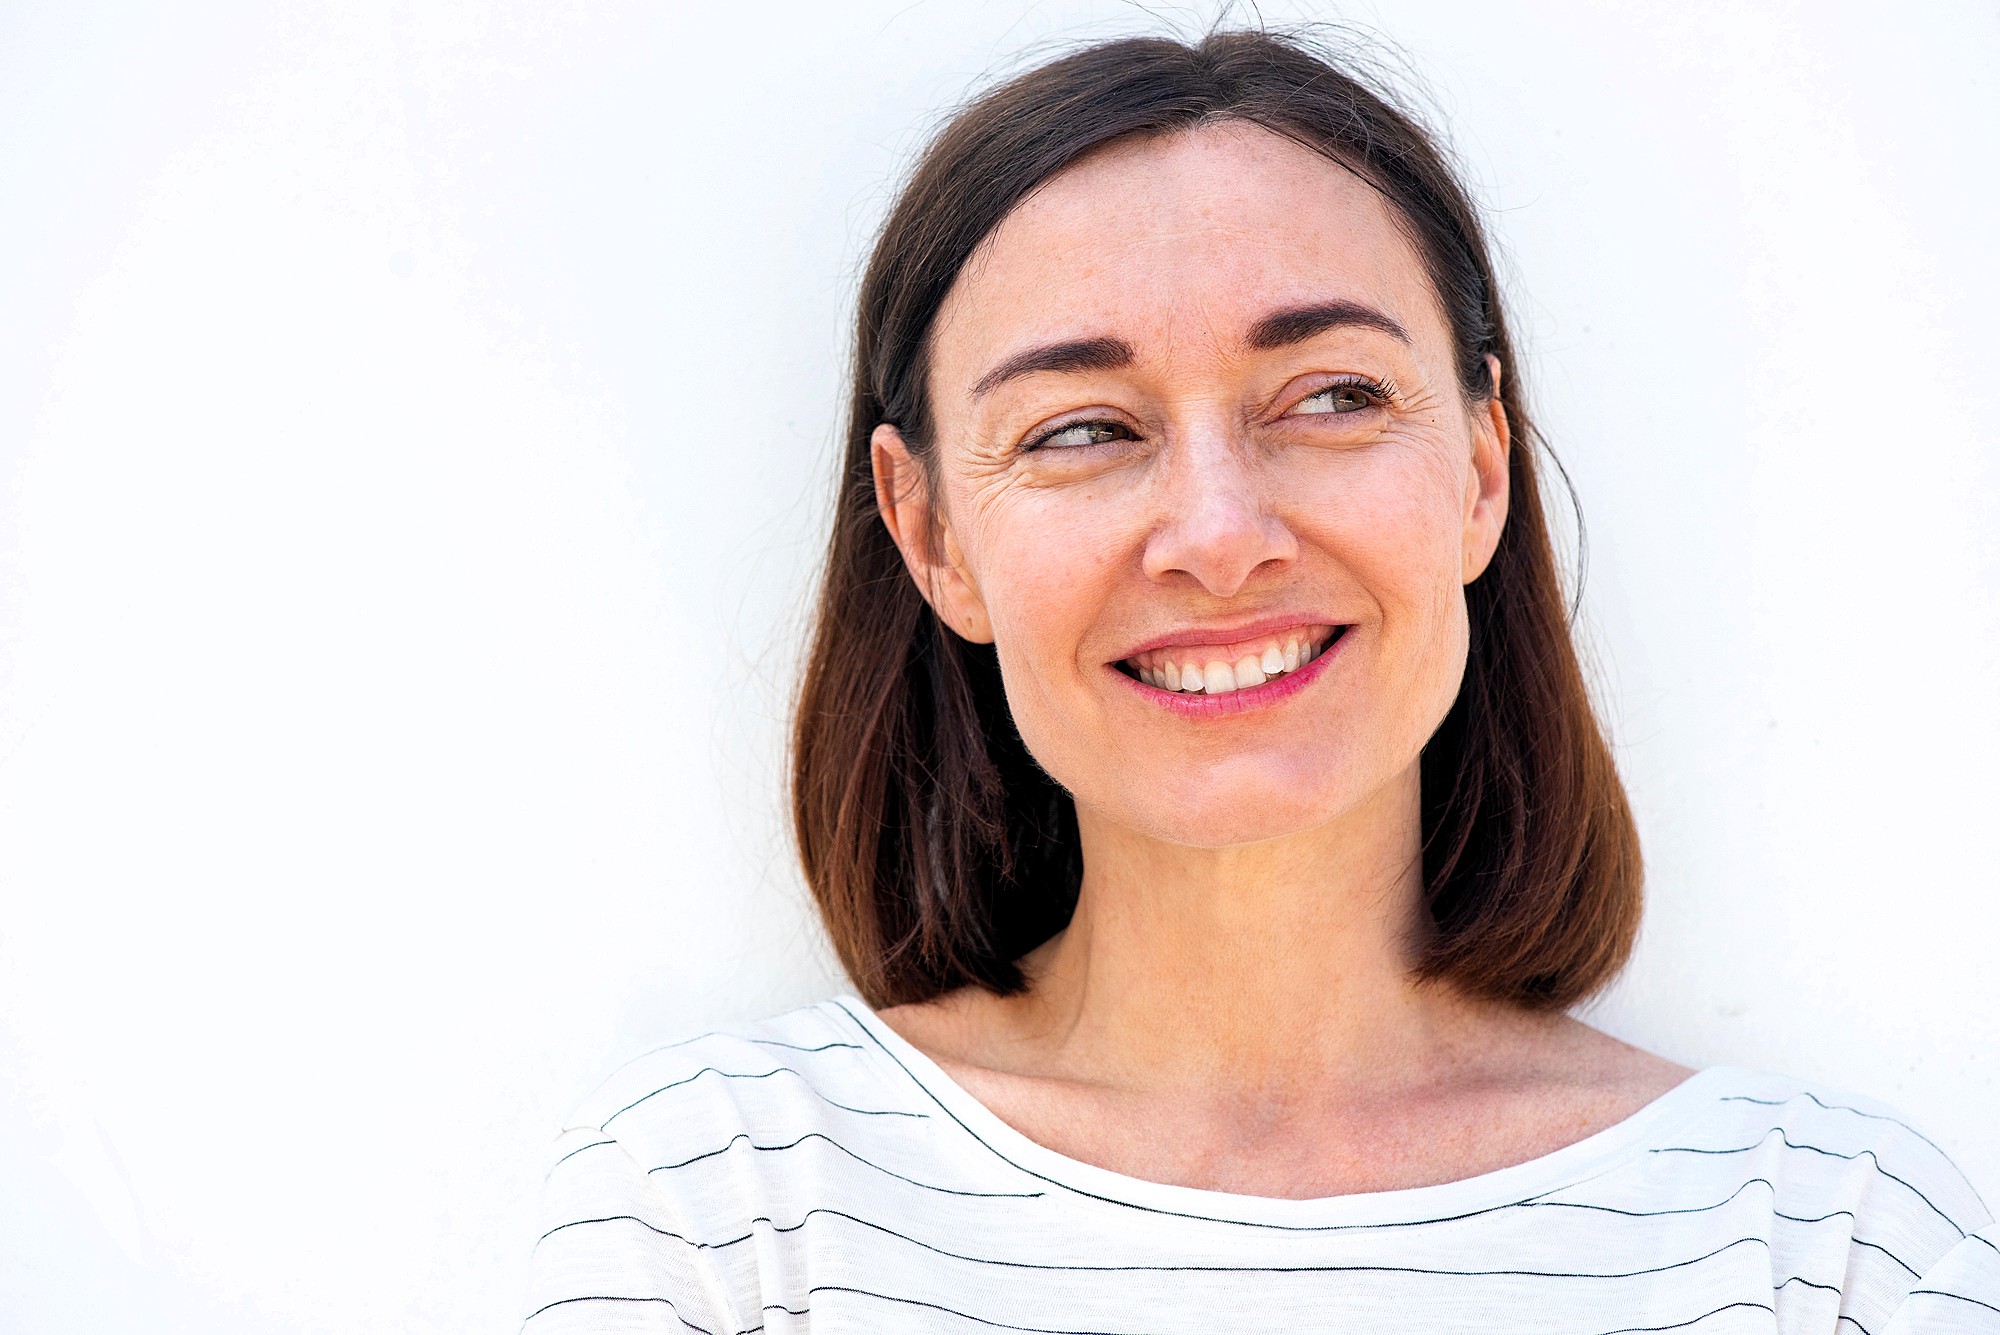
[939, 852]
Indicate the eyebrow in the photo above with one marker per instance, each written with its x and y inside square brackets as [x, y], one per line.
[1276, 330]
[1083, 354]
[1299, 323]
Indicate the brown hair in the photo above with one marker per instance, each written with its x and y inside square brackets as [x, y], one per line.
[938, 850]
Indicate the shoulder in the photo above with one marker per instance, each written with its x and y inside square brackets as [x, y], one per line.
[772, 1079]
[658, 1177]
[1824, 1156]
[1850, 1202]
[1812, 1131]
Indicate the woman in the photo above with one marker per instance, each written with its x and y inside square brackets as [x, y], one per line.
[1197, 780]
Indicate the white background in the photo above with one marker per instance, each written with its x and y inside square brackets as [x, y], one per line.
[417, 424]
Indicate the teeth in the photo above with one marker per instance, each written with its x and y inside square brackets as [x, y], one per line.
[1219, 677]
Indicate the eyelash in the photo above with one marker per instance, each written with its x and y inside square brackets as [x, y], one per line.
[1045, 437]
[1383, 391]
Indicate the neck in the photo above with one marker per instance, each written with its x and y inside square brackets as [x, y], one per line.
[1282, 963]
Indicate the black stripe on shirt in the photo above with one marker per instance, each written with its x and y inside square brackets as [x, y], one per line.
[1790, 1144]
[1946, 1293]
[1183, 1268]
[1834, 1107]
[616, 1298]
[1683, 1325]
[755, 1075]
[744, 1139]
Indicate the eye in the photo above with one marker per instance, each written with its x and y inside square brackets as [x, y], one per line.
[1343, 398]
[1082, 433]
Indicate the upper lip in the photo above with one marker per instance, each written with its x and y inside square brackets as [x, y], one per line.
[1230, 633]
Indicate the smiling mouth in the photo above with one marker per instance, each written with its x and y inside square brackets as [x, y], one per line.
[1218, 669]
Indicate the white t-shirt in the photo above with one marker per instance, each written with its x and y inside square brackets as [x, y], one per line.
[817, 1173]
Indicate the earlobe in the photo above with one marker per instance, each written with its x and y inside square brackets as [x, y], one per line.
[929, 548]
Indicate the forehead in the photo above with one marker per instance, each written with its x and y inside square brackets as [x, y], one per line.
[1195, 233]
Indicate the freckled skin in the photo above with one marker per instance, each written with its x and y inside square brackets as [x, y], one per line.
[1224, 508]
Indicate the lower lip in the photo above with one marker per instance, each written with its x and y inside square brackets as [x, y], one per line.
[1190, 705]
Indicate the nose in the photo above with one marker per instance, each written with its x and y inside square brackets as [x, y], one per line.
[1216, 521]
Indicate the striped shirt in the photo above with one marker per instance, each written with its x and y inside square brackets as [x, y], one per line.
[815, 1172]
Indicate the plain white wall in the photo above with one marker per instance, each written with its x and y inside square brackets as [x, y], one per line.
[417, 425]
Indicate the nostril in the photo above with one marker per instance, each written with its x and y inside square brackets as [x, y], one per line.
[1221, 544]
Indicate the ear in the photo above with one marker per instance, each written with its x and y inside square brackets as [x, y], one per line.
[1486, 488]
[923, 535]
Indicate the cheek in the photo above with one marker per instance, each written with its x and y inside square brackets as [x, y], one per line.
[1397, 529]
[1044, 562]
[1392, 514]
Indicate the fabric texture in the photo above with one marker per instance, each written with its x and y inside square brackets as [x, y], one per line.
[815, 1172]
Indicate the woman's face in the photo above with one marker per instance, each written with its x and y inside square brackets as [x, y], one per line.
[1205, 477]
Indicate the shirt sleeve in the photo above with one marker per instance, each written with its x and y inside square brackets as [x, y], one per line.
[1960, 1295]
[615, 1258]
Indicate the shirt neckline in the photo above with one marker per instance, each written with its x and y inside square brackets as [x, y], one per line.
[1636, 1135]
